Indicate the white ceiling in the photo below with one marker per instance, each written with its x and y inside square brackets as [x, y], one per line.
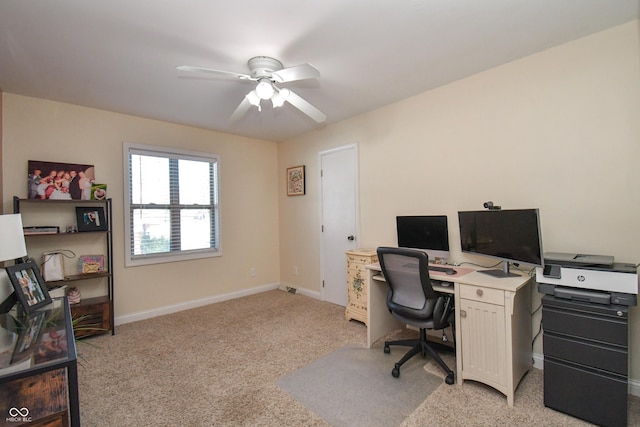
[121, 55]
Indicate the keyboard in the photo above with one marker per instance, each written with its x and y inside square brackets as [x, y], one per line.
[447, 270]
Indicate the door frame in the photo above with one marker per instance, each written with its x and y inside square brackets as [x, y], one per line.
[320, 206]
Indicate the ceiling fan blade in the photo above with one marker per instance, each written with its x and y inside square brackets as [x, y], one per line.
[241, 110]
[298, 72]
[217, 73]
[302, 105]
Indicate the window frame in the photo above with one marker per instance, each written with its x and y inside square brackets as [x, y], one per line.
[168, 153]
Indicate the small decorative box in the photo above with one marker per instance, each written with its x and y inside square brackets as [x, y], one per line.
[88, 264]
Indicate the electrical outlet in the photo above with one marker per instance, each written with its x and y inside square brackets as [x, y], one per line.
[295, 270]
[252, 271]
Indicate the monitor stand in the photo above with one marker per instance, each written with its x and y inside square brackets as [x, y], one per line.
[500, 274]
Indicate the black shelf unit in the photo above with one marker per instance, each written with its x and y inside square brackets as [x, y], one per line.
[92, 315]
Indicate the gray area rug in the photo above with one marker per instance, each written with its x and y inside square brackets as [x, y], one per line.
[353, 386]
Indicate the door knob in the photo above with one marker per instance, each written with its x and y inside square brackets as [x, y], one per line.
[463, 313]
[351, 238]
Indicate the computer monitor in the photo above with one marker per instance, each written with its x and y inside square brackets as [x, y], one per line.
[426, 232]
[509, 235]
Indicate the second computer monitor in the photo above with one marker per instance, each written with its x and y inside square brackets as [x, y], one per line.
[426, 232]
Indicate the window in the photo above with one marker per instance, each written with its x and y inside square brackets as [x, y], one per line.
[171, 199]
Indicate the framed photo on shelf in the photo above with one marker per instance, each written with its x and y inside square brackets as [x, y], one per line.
[295, 181]
[28, 285]
[91, 218]
[98, 191]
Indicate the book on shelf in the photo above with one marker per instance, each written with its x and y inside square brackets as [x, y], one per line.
[41, 229]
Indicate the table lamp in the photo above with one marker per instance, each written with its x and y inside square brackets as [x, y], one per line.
[12, 247]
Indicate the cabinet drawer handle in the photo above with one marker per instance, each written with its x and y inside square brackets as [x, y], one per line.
[479, 292]
[463, 313]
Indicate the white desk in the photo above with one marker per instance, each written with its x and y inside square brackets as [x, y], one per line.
[493, 324]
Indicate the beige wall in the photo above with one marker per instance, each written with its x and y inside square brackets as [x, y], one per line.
[42, 130]
[558, 130]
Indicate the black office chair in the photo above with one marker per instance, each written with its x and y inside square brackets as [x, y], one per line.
[412, 300]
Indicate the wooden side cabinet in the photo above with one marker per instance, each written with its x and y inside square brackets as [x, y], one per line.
[357, 283]
[483, 334]
[494, 333]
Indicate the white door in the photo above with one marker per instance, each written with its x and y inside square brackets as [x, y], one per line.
[339, 191]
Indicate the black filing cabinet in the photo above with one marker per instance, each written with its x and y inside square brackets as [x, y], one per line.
[586, 360]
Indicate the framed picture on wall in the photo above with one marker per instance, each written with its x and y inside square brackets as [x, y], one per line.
[295, 181]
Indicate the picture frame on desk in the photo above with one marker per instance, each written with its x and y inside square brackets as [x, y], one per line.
[28, 338]
[28, 285]
[91, 218]
[52, 344]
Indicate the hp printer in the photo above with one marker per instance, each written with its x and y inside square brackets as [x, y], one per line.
[589, 278]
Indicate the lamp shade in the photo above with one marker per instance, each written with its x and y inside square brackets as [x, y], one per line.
[12, 244]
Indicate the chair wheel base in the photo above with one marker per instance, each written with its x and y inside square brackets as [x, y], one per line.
[395, 372]
[449, 379]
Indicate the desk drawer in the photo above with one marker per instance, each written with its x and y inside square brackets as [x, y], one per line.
[587, 353]
[479, 293]
[585, 393]
[592, 322]
[362, 259]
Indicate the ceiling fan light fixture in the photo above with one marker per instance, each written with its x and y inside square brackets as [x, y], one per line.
[277, 101]
[254, 99]
[264, 89]
[284, 93]
[278, 98]
[268, 73]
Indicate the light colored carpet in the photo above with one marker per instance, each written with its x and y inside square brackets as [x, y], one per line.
[353, 387]
[218, 366]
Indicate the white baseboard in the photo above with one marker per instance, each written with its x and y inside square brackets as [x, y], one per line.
[191, 304]
[634, 385]
[308, 293]
[301, 291]
[538, 361]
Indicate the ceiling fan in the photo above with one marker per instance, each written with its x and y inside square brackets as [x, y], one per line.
[268, 73]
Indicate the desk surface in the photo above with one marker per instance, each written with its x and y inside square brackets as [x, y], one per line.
[436, 286]
[470, 276]
[439, 275]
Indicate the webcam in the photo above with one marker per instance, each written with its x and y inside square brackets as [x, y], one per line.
[489, 205]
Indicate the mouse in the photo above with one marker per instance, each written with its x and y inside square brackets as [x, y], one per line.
[450, 271]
